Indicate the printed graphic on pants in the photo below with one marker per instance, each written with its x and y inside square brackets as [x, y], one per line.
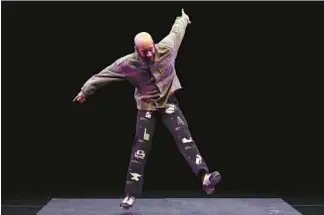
[180, 121]
[135, 176]
[140, 154]
[171, 108]
[198, 159]
[148, 114]
[146, 135]
[187, 140]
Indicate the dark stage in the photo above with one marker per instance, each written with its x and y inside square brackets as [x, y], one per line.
[250, 73]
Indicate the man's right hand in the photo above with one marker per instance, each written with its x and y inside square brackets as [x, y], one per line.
[184, 15]
[79, 98]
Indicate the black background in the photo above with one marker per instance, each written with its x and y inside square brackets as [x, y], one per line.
[250, 73]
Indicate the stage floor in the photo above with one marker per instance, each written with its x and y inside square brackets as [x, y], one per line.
[172, 206]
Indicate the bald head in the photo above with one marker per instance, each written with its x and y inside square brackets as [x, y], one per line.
[144, 46]
[143, 40]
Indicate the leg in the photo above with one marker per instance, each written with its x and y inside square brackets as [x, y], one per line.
[176, 123]
[141, 147]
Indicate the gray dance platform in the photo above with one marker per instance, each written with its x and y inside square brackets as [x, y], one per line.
[172, 206]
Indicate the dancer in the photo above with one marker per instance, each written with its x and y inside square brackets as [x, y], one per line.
[151, 70]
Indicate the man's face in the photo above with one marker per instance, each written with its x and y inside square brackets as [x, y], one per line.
[147, 53]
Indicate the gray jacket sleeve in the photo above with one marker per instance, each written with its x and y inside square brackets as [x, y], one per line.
[111, 73]
[175, 37]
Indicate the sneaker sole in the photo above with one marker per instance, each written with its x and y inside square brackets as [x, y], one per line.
[125, 206]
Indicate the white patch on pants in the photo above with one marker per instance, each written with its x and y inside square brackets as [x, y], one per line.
[135, 176]
[146, 135]
[185, 140]
[198, 159]
[148, 114]
[170, 109]
[180, 121]
[140, 154]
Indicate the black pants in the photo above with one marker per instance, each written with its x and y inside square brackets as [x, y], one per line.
[176, 123]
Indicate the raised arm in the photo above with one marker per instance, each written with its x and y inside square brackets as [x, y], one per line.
[175, 37]
[110, 74]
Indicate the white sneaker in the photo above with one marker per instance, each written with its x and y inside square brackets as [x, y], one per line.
[210, 180]
[127, 202]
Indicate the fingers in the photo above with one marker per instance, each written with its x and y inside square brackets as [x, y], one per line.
[183, 13]
[79, 99]
[82, 99]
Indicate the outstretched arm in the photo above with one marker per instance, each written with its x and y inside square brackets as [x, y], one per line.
[110, 74]
[174, 39]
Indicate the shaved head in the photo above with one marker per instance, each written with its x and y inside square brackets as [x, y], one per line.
[143, 40]
[144, 46]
